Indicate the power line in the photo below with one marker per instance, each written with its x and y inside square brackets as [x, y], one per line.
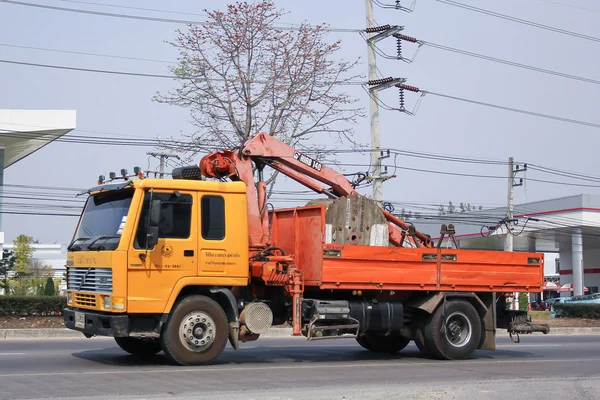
[41, 187]
[519, 20]
[144, 18]
[570, 5]
[512, 63]
[133, 8]
[139, 74]
[516, 110]
[39, 214]
[100, 71]
[84, 53]
[564, 173]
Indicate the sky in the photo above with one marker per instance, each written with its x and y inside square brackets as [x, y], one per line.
[115, 105]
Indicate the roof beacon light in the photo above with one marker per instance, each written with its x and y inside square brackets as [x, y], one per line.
[112, 175]
[191, 172]
[138, 171]
[101, 179]
[124, 173]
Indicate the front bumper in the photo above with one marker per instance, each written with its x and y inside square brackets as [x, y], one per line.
[95, 323]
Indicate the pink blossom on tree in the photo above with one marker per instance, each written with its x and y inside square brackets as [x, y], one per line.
[239, 74]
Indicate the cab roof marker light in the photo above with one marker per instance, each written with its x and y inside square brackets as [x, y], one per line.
[112, 175]
[101, 179]
[124, 173]
[138, 171]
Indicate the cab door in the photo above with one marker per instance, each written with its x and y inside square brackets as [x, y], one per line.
[154, 272]
[223, 239]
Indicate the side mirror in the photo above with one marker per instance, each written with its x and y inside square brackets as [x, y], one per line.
[155, 209]
[152, 237]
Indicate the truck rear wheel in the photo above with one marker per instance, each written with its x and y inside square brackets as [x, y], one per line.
[196, 332]
[453, 331]
[419, 333]
[139, 347]
[382, 344]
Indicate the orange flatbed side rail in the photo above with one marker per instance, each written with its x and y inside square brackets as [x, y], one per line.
[396, 268]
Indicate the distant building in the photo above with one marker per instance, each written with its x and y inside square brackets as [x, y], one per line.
[52, 255]
[23, 132]
[566, 229]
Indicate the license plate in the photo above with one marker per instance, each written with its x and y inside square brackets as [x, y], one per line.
[79, 320]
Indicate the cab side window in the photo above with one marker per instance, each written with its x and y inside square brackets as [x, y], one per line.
[213, 217]
[175, 217]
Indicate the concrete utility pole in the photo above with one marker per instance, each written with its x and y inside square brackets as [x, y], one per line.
[508, 242]
[162, 158]
[374, 107]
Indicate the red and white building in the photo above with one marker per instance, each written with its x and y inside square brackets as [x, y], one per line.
[566, 229]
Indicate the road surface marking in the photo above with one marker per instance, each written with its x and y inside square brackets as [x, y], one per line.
[11, 354]
[253, 367]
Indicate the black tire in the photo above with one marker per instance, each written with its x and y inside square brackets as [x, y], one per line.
[453, 331]
[382, 344]
[139, 347]
[197, 319]
[362, 340]
[419, 333]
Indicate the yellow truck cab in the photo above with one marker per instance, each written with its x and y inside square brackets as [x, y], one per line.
[141, 245]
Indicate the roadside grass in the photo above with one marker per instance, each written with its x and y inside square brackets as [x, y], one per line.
[540, 314]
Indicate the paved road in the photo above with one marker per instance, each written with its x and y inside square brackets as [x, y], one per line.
[292, 368]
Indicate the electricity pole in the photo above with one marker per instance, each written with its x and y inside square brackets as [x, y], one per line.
[374, 108]
[162, 158]
[508, 243]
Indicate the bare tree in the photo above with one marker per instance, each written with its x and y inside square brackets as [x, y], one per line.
[239, 74]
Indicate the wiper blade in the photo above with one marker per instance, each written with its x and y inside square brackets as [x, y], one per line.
[71, 247]
[100, 238]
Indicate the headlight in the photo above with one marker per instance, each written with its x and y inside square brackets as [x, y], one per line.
[69, 298]
[107, 302]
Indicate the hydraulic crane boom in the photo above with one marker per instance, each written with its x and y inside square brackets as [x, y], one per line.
[263, 149]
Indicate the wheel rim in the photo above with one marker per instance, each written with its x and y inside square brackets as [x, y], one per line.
[197, 331]
[458, 329]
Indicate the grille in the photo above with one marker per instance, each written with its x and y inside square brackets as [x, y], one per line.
[88, 300]
[97, 280]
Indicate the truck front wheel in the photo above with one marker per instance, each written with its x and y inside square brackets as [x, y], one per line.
[453, 331]
[138, 347]
[196, 332]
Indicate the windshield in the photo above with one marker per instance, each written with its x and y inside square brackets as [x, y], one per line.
[102, 221]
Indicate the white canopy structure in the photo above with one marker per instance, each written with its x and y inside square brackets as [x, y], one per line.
[23, 132]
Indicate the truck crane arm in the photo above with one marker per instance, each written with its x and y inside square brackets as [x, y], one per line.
[263, 149]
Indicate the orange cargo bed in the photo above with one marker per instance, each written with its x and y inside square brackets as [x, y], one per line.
[301, 232]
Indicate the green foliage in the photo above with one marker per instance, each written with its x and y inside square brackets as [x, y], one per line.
[30, 274]
[23, 252]
[523, 302]
[7, 264]
[31, 305]
[49, 289]
[566, 310]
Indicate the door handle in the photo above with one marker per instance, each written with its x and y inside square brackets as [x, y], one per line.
[188, 253]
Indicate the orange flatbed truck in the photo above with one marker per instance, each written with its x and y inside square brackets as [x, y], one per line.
[185, 265]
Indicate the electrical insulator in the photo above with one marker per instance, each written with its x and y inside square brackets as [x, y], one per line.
[380, 81]
[378, 29]
[402, 99]
[408, 87]
[404, 37]
[399, 47]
